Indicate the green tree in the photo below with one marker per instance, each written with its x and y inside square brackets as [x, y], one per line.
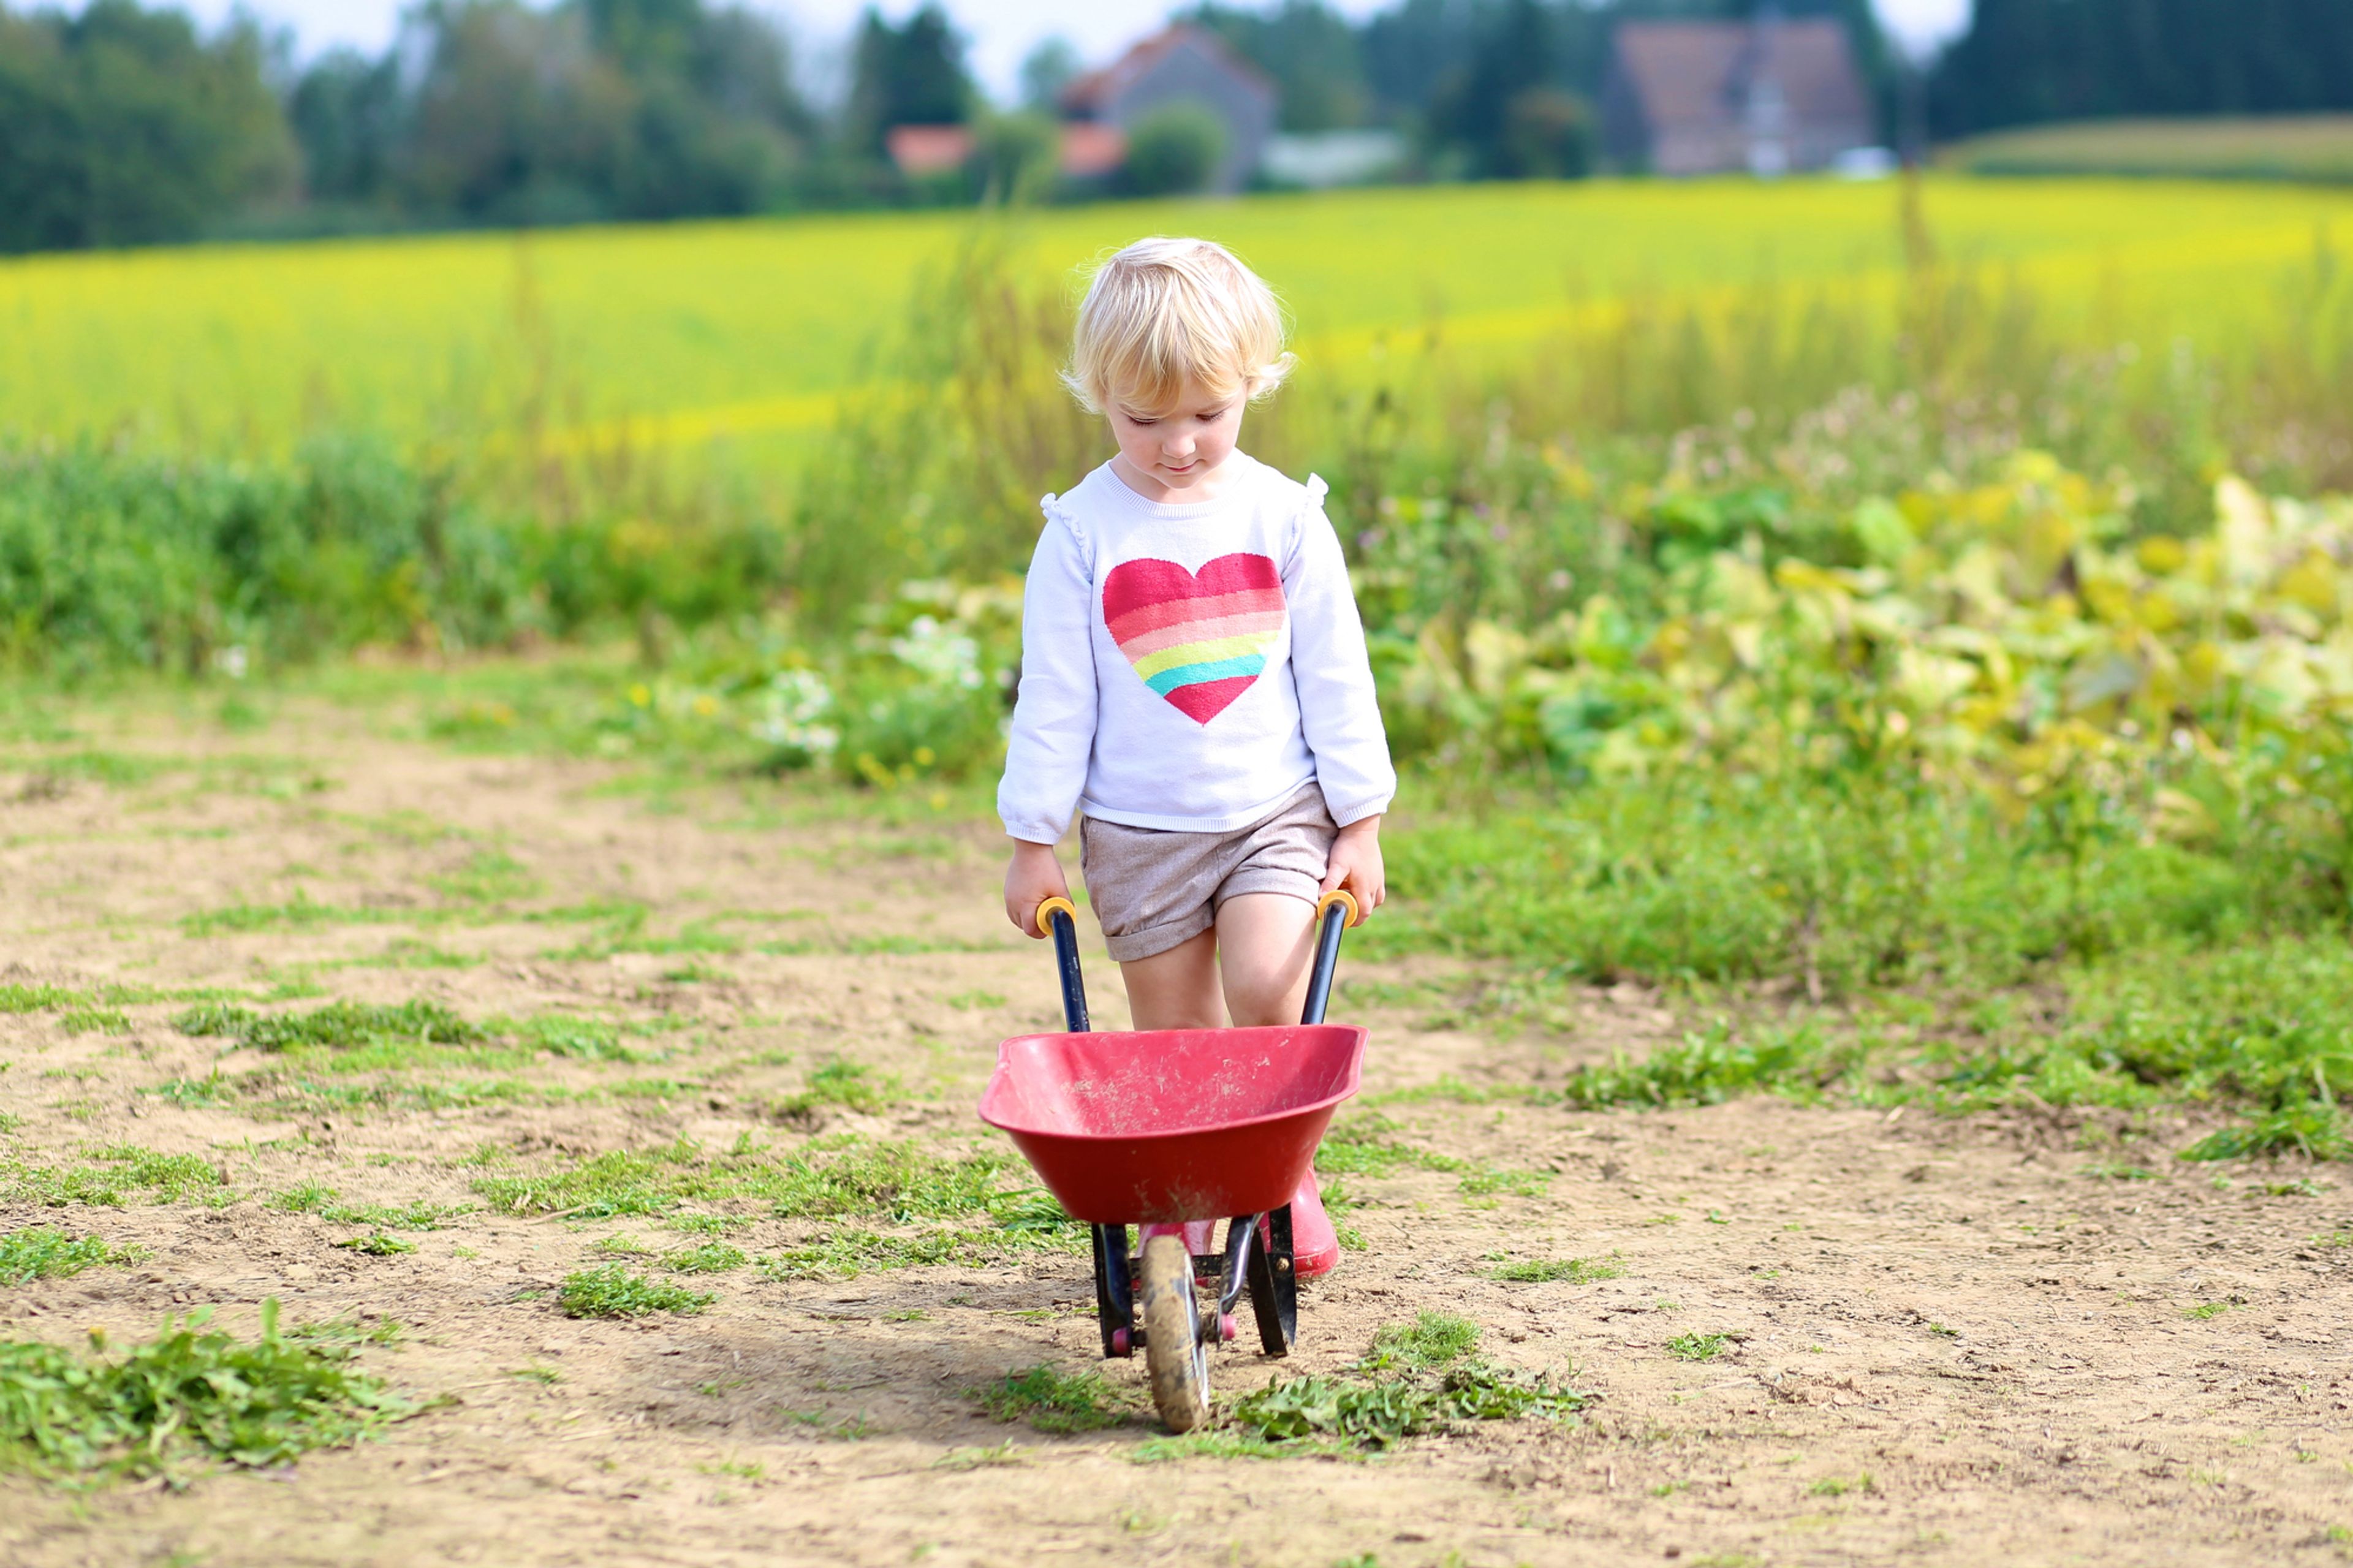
[1050, 67]
[909, 75]
[1174, 150]
[1311, 52]
[2028, 60]
[123, 126]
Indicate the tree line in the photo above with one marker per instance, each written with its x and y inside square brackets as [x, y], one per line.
[125, 125]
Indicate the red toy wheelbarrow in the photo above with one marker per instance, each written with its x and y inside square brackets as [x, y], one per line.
[1161, 1126]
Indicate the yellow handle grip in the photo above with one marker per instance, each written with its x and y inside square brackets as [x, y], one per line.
[1046, 913]
[1340, 896]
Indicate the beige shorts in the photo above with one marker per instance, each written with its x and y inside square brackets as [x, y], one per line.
[1154, 890]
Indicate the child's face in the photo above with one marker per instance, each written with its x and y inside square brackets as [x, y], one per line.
[1180, 448]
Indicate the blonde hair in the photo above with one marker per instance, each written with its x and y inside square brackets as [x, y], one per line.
[1161, 313]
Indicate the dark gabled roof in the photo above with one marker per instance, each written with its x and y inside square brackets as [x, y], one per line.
[1697, 73]
[1087, 93]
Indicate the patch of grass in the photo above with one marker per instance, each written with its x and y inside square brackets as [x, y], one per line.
[1431, 1342]
[2209, 1310]
[306, 1196]
[416, 1215]
[488, 877]
[1698, 1347]
[535, 1371]
[1421, 1376]
[1228, 1444]
[2102, 1171]
[581, 1039]
[45, 1252]
[1558, 1270]
[19, 998]
[95, 1021]
[300, 912]
[710, 1258]
[845, 1254]
[185, 1398]
[1362, 1146]
[1053, 1400]
[1710, 1067]
[850, 1086]
[620, 1181]
[376, 1243]
[837, 1179]
[612, 1291]
[210, 1089]
[975, 1001]
[1518, 1183]
[1839, 1486]
[338, 1026]
[121, 1171]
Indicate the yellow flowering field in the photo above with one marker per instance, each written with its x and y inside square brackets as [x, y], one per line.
[749, 331]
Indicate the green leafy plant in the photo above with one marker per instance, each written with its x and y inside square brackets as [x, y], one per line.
[191, 1395]
[612, 1291]
[45, 1252]
[1698, 1347]
[1054, 1401]
[1567, 1270]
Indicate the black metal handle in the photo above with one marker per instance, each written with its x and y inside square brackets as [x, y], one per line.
[1066, 958]
[1336, 910]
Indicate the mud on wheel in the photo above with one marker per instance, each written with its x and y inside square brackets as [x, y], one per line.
[1173, 1352]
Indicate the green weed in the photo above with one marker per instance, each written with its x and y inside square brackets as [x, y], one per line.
[711, 1257]
[1362, 1146]
[1566, 1270]
[44, 1252]
[582, 1040]
[1698, 1347]
[1431, 1342]
[121, 1172]
[851, 1086]
[612, 1291]
[1053, 1400]
[166, 1406]
[1708, 1068]
[376, 1243]
[338, 1026]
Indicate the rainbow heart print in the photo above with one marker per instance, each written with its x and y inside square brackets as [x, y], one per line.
[1199, 638]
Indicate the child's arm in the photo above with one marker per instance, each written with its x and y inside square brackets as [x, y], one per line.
[1337, 706]
[1356, 864]
[1053, 720]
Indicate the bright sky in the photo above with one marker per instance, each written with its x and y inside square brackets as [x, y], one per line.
[1001, 31]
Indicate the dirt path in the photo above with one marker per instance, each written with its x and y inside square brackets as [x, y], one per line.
[1940, 1340]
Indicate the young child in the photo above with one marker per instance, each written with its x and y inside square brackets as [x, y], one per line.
[1194, 679]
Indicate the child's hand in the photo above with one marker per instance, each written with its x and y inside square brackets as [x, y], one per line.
[1034, 876]
[1356, 865]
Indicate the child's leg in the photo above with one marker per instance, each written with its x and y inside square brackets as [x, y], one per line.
[1177, 989]
[1265, 941]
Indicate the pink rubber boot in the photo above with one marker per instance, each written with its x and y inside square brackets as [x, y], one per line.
[1314, 1245]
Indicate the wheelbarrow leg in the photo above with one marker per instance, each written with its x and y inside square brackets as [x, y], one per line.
[1115, 1290]
[1273, 1284]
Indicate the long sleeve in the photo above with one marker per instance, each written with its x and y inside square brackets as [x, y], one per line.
[1337, 706]
[1054, 716]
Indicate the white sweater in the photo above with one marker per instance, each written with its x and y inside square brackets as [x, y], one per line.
[1189, 667]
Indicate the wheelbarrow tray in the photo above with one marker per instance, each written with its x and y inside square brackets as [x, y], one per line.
[1160, 1125]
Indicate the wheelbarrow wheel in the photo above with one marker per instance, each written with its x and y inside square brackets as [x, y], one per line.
[1173, 1352]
